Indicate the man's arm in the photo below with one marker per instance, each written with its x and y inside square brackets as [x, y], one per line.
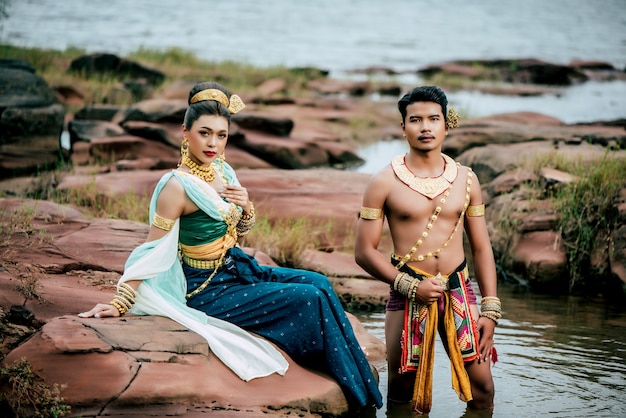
[369, 232]
[484, 267]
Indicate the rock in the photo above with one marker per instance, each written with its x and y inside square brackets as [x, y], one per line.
[129, 147]
[17, 64]
[508, 181]
[490, 161]
[141, 359]
[31, 118]
[148, 360]
[540, 257]
[524, 71]
[617, 255]
[551, 179]
[166, 133]
[97, 112]
[155, 111]
[110, 64]
[272, 87]
[69, 95]
[281, 152]
[591, 65]
[264, 123]
[86, 130]
[333, 86]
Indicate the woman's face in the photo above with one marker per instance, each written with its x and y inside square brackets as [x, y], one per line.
[207, 138]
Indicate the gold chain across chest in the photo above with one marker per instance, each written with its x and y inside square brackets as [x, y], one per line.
[431, 222]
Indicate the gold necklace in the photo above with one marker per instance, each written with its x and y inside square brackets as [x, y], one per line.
[205, 173]
[431, 186]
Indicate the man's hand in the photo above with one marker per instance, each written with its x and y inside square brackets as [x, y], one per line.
[486, 328]
[429, 291]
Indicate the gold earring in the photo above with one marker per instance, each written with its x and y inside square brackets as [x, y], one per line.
[222, 156]
[184, 147]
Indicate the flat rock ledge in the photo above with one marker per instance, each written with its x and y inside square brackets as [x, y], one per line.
[153, 366]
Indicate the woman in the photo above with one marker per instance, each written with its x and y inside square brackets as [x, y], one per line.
[214, 288]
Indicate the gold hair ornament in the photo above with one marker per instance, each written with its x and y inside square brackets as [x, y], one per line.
[453, 119]
[234, 105]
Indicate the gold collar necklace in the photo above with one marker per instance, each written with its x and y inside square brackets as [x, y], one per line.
[430, 186]
[205, 173]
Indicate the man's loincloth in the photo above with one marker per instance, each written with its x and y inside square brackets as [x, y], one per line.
[460, 296]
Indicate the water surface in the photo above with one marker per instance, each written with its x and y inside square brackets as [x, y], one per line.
[558, 357]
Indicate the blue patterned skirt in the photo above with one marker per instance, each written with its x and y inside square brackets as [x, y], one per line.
[298, 310]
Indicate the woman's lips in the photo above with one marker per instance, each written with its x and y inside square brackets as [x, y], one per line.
[210, 153]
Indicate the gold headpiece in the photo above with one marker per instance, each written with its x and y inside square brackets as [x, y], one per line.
[234, 105]
[453, 119]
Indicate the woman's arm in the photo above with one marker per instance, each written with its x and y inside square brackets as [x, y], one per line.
[172, 202]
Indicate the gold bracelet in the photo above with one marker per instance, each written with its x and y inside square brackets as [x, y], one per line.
[119, 307]
[128, 288]
[250, 214]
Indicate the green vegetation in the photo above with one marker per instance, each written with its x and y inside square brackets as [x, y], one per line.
[24, 394]
[175, 63]
[586, 211]
[284, 240]
[130, 205]
[16, 221]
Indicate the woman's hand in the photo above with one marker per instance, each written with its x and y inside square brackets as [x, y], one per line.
[101, 310]
[237, 195]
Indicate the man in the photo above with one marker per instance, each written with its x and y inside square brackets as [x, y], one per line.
[428, 200]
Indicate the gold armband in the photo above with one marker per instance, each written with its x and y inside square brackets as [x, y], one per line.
[370, 213]
[162, 223]
[478, 210]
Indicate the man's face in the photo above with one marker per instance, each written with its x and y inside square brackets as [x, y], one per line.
[424, 126]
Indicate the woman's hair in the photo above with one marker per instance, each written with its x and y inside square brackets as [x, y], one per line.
[424, 94]
[205, 107]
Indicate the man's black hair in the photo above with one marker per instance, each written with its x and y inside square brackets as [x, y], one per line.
[424, 94]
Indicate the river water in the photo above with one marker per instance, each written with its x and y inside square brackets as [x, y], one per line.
[559, 356]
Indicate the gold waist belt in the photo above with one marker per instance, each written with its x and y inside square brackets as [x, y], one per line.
[203, 264]
[212, 251]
